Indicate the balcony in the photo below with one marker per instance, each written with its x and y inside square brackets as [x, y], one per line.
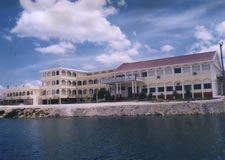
[121, 79]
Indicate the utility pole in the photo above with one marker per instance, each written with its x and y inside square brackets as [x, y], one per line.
[221, 55]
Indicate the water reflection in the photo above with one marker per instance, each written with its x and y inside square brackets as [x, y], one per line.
[176, 137]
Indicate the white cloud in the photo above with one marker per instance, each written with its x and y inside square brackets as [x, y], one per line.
[79, 21]
[166, 48]
[112, 57]
[150, 49]
[33, 83]
[220, 28]
[202, 33]
[7, 37]
[88, 66]
[121, 3]
[60, 48]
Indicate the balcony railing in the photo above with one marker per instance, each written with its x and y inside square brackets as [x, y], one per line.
[121, 79]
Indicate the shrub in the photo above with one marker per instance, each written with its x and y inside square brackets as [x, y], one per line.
[150, 96]
[161, 96]
[142, 96]
[188, 94]
[175, 95]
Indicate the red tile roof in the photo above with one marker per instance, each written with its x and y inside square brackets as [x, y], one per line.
[192, 58]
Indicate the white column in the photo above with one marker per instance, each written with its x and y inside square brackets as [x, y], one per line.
[116, 88]
[120, 91]
[192, 89]
[183, 90]
[202, 89]
[165, 91]
[156, 91]
[135, 87]
[132, 87]
[148, 90]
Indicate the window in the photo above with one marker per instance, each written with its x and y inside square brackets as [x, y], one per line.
[144, 74]
[168, 71]
[144, 89]
[178, 88]
[136, 74]
[53, 73]
[57, 72]
[57, 82]
[196, 68]
[207, 86]
[177, 70]
[151, 73]
[197, 86]
[152, 90]
[57, 91]
[74, 74]
[123, 88]
[79, 83]
[160, 89]
[53, 83]
[159, 72]
[206, 67]
[74, 92]
[187, 87]
[186, 69]
[169, 88]
[84, 91]
[95, 81]
[84, 82]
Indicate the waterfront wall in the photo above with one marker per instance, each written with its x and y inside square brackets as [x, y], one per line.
[216, 106]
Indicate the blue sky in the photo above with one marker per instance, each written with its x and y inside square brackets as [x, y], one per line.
[101, 34]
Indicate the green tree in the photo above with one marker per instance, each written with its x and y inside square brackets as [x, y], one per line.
[142, 96]
[161, 96]
[188, 94]
[150, 96]
[175, 95]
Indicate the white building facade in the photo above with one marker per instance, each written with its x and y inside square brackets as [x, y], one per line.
[198, 73]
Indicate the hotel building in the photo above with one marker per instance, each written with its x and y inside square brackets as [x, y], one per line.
[199, 73]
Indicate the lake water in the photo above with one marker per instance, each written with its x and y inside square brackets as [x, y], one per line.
[114, 138]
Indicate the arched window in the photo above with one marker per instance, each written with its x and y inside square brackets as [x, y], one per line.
[53, 92]
[96, 91]
[53, 83]
[20, 94]
[69, 74]
[57, 82]
[48, 74]
[74, 83]
[57, 91]
[79, 83]
[80, 92]
[11, 94]
[85, 91]
[90, 91]
[57, 73]
[63, 92]
[8, 95]
[28, 93]
[90, 81]
[69, 83]
[63, 82]
[24, 93]
[84, 82]
[16, 94]
[48, 83]
[69, 92]
[95, 81]
[74, 74]
[43, 93]
[53, 73]
[74, 92]
[63, 73]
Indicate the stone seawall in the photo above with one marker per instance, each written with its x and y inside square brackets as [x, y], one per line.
[216, 106]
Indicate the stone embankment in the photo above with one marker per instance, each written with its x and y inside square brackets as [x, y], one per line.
[216, 106]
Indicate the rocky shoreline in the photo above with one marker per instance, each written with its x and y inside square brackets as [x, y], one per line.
[215, 106]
